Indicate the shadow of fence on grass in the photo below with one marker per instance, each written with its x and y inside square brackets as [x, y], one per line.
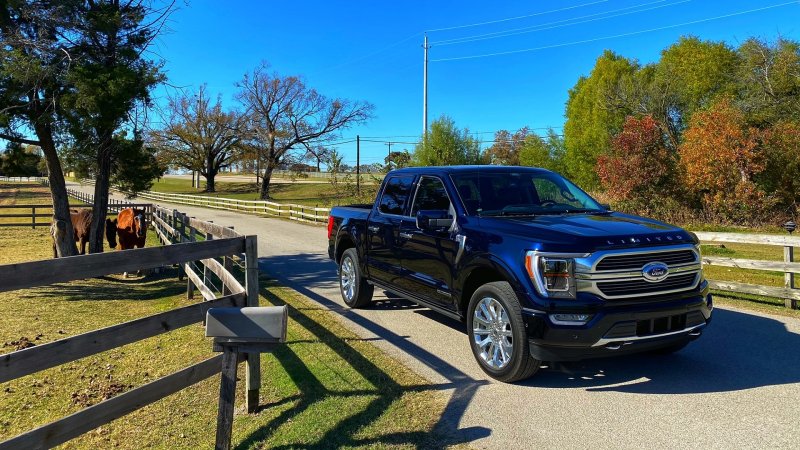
[386, 392]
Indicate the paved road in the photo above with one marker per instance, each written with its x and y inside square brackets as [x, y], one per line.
[738, 386]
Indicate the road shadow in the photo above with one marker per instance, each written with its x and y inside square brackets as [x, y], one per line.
[737, 351]
[345, 431]
[303, 272]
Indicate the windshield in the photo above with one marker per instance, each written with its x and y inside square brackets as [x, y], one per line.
[521, 193]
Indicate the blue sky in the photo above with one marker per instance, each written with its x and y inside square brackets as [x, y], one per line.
[372, 50]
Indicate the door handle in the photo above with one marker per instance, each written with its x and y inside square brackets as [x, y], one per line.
[374, 228]
[406, 235]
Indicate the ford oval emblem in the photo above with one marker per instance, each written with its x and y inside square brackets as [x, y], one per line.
[655, 271]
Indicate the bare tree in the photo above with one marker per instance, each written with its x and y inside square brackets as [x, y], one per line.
[318, 153]
[199, 135]
[285, 115]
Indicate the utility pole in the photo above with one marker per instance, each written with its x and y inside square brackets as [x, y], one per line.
[390, 148]
[425, 46]
[358, 164]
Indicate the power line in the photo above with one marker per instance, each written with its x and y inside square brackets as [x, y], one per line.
[515, 18]
[558, 23]
[633, 33]
[369, 55]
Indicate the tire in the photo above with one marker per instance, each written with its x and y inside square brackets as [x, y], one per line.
[355, 290]
[495, 326]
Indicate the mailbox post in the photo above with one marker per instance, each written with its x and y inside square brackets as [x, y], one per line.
[235, 331]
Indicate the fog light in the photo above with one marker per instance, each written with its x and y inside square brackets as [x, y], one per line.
[710, 302]
[570, 319]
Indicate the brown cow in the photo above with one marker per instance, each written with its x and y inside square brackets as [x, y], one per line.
[81, 225]
[131, 226]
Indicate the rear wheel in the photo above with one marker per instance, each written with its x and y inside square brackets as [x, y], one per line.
[497, 333]
[356, 292]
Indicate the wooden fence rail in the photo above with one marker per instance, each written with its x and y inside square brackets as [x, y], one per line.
[225, 244]
[32, 213]
[789, 292]
[302, 213]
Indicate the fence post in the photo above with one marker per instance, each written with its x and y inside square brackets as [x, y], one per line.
[788, 277]
[33, 217]
[251, 284]
[189, 284]
[209, 237]
[227, 263]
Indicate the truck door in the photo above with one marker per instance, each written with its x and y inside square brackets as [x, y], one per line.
[428, 256]
[383, 229]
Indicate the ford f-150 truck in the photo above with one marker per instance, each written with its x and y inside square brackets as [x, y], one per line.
[535, 267]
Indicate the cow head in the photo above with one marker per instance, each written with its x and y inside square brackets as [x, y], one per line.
[111, 232]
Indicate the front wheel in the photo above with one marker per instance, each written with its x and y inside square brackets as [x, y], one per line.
[497, 333]
[356, 292]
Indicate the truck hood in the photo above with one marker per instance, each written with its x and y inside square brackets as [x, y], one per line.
[587, 232]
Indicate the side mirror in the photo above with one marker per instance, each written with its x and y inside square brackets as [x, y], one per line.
[606, 206]
[434, 220]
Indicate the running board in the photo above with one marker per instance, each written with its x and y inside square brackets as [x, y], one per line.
[419, 302]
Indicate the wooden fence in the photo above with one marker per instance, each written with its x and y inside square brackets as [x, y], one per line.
[302, 213]
[291, 211]
[32, 212]
[789, 292]
[218, 242]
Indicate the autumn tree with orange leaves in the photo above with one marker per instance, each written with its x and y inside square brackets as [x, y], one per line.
[639, 168]
[721, 156]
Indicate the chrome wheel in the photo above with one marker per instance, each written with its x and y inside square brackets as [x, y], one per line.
[492, 334]
[348, 279]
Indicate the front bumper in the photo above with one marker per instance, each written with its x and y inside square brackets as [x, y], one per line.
[620, 330]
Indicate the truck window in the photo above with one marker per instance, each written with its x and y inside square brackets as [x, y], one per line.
[431, 194]
[395, 195]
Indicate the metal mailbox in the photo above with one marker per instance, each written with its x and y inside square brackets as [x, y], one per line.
[248, 325]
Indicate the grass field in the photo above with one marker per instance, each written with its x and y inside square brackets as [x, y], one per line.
[321, 194]
[325, 388]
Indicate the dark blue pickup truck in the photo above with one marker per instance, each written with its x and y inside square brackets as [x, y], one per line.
[537, 269]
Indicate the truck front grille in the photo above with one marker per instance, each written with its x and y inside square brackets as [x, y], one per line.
[617, 274]
[638, 260]
[632, 287]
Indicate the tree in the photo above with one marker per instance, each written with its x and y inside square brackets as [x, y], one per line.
[721, 156]
[547, 153]
[698, 71]
[317, 154]
[446, 145]
[593, 115]
[640, 168]
[397, 160]
[33, 67]
[285, 115]
[769, 81]
[200, 135]
[781, 175]
[110, 79]
[505, 149]
[18, 161]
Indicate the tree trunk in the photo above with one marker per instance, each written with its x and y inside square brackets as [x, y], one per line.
[101, 188]
[64, 242]
[265, 180]
[210, 187]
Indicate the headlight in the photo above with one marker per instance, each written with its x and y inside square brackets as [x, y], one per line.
[553, 275]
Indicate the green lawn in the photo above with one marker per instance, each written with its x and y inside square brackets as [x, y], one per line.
[325, 388]
[321, 194]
